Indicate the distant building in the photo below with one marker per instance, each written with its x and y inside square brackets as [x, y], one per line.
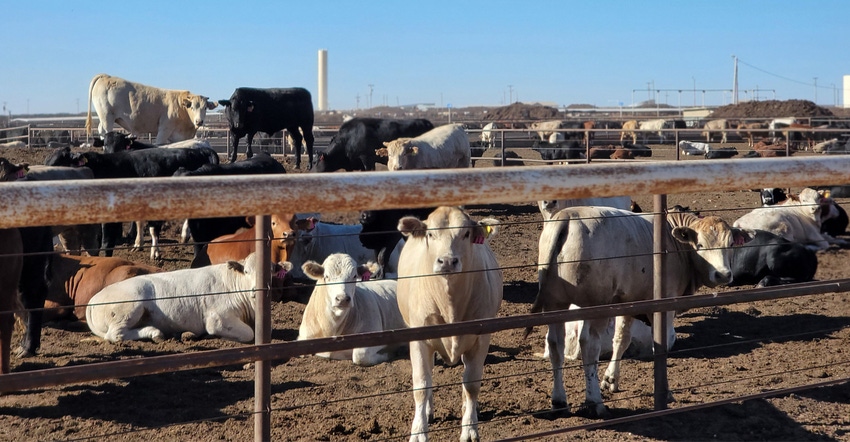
[846, 91]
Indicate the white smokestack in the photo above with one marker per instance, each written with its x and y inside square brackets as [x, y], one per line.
[323, 79]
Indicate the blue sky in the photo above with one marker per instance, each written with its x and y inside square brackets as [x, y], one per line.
[461, 53]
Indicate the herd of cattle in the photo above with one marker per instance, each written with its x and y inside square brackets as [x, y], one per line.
[394, 269]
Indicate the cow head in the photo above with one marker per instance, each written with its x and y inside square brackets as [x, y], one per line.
[237, 110]
[401, 154]
[61, 157]
[283, 234]
[449, 235]
[197, 107]
[12, 172]
[338, 274]
[712, 240]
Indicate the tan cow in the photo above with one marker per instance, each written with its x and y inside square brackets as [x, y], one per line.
[545, 129]
[447, 273]
[720, 125]
[172, 115]
[444, 147]
[629, 128]
[581, 263]
[752, 130]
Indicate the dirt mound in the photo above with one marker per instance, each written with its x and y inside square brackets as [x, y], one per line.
[520, 111]
[771, 109]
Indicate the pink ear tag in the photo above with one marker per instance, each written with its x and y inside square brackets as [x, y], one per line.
[21, 173]
[366, 275]
[478, 240]
[312, 223]
[738, 240]
[280, 273]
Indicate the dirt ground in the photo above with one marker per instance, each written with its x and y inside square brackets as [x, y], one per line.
[720, 353]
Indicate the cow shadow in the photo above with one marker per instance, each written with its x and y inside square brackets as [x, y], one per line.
[502, 210]
[723, 333]
[122, 403]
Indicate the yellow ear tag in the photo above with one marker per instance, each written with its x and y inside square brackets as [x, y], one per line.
[487, 231]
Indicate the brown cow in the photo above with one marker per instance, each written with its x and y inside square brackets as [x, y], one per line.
[752, 130]
[11, 265]
[795, 133]
[622, 154]
[768, 150]
[588, 130]
[237, 246]
[602, 152]
[75, 279]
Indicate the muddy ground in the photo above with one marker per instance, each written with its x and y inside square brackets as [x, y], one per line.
[721, 352]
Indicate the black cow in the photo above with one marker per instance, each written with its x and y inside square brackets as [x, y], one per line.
[35, 274]
[638, 150]
[380, 229]
[204, 230]
[117, 142]
[251, 110]
[511, 159]
[133, 164]
[354, 145]
[723, 152]
[769, 260]
[562, 150]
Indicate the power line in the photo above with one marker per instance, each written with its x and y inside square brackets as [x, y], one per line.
[779, 76]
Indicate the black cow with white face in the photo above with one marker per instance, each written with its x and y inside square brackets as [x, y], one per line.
[251, 110]
[354, 146]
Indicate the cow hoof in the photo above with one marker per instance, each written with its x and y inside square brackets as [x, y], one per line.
[593, 411]
[560, 405]
[610, 385]
[24, 353]
[188, 336]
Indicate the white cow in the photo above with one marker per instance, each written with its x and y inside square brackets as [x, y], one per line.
[581, 262]
[779, 123]
[828, 146]
[720, 125]
[316, 240]
[447, 273]
[656, 126]
[340, 305]
[444, 146]
[694, 147]
[545, 129]
[797, 219]
[172, 115]
[216, 300]
[487, 135]
[548, 208]
[13, 145]
[640, 347]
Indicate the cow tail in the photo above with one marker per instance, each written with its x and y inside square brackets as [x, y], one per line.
[551, 264]
[91, 87]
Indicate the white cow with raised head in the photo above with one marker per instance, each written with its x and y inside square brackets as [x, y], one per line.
[656, 126]
[442, 147]
[172, 115]
[447, 273]
[344, 302]
[797, 219]
[720, 125]
[584, 260]
[216, 300]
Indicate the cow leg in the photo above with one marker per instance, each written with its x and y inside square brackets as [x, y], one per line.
[137, 334]
[7, 324]
[155, 230]
[90, 237]
[185, 233]
[622, 339]
[228, 326]
[249, 151]
[422, 364]
[473, 371]
[368, 356]
[297, 145]
[70, 240]
[137, 244]
[555, 339]
[234, 150]
[308, 139]
[589, 341]
[111, 233]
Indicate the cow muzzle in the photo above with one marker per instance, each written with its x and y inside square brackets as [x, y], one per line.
[720, 277]
[447, 264]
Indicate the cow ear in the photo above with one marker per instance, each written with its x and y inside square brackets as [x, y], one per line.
[412, 226]
[250, 107]
[741, 236]
[224, 103]
[686, 235]
[411, 150]
[236, 266]
[211, 105]
[382, 152]
[368, 270]
[314, 270]
[484, 230]
[187, 102]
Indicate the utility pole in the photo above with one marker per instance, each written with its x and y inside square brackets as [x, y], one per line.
[695, 90]
[510, 94]
[735, 80]
[371, 87]
[816, 90]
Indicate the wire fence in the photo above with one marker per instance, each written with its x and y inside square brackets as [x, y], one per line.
[562, 188]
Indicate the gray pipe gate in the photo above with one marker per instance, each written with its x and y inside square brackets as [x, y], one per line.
[95, 201]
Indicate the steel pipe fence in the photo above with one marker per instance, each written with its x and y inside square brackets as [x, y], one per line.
[116, 200]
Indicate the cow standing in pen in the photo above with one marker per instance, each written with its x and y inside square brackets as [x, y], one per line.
[447, 273]
[251, 110]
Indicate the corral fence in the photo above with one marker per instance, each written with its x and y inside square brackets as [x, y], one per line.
[96, 201]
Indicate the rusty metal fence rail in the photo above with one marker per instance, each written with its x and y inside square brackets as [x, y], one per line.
[84, 202]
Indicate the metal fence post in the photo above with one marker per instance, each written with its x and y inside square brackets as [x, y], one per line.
[659, 319]
[262, 329]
